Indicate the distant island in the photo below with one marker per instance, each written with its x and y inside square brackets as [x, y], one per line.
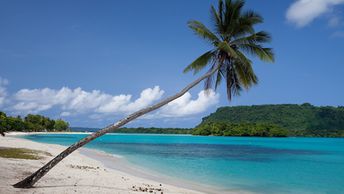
[274, 120]
[31, 123]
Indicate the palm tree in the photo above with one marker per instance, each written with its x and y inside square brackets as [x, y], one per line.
[233, 37]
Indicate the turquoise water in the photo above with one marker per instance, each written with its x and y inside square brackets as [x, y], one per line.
[262, 165]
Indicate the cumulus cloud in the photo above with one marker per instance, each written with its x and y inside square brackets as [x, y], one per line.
[122, 103]
[3, 92]
[65, 114]
[73, 101]
[303, 12]
[99, 105]
[186, 106]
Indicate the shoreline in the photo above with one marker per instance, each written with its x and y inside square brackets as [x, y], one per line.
[75, 174]
[123, 168]
[108, 160]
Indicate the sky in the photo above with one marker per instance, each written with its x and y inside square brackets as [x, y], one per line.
[94, 62]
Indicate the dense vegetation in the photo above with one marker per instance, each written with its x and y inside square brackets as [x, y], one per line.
[221, 128]
[299, 120]
[30, 123]
[139, 130]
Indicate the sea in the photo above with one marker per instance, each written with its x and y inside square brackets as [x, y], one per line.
[258, 165]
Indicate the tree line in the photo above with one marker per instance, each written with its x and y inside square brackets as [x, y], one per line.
[303, 120]
[222, 128]
[31, 123]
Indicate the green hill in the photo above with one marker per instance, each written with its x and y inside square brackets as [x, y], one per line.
[298, 120]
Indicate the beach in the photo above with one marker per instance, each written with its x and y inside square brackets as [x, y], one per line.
[153, 163]
[78, 173]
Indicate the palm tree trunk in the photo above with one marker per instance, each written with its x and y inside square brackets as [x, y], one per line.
[32, 179]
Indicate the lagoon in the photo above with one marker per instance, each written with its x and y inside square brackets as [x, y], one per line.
[260, 165]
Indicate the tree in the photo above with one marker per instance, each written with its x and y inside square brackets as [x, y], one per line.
[15, 124]
[34, 122]
[30, 123]
[61, 125]
[3, 123]
[234, 36]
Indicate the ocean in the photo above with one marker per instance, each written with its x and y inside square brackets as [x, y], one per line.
[260, 165]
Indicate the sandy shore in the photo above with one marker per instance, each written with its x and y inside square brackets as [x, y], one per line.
[77, 173]
[88, 171]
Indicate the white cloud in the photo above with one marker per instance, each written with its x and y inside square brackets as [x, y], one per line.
[74, 101]
[186, 106]
[99, 105]
[123, 103]
[303, 12]
[3, 91]
[65, 114]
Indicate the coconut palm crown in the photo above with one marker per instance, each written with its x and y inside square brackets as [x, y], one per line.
[233, 37]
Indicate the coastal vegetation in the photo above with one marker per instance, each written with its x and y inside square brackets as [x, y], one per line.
[31, 123]
[288, 119]
[239, 129]
[289, 116]
[233, 38]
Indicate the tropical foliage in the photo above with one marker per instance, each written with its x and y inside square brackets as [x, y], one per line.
[239, 129]
[30, 123]
[299, 120]
[233, 38]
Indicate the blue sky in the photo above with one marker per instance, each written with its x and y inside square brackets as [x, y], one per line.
[93, 62]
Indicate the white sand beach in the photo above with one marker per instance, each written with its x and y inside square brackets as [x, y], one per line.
[77, 173]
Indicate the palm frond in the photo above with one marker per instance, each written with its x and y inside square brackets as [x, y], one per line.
[246, 74]
[233, 84]
[216, 20]
[252, 17]
[264, 54]
[221, 10]
[259, 37]
[246, 23]
[224, 46]
[208, 82]
[202, 31]
[233, 12]
[243, 67]
[199, 63]
[243, 59]
[219, 77]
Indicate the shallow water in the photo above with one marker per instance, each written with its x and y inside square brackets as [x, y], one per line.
[261, 165]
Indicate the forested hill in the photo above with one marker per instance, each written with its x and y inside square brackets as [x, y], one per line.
[287, 116]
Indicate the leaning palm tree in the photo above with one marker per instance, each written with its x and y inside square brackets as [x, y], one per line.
[232, 38]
